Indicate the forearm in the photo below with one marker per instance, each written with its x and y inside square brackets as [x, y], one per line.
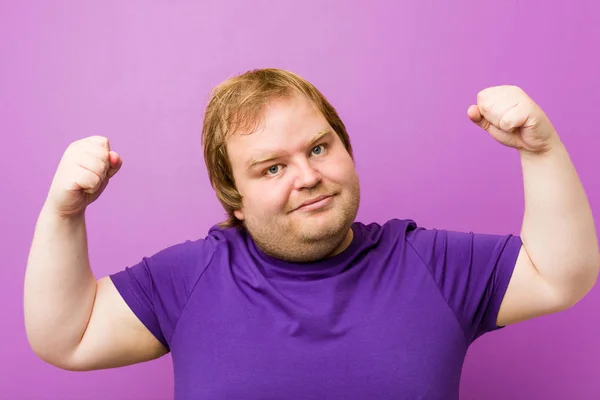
[59, 286]
[558, 228]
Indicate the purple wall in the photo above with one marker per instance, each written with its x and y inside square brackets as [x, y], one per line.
[401, 74]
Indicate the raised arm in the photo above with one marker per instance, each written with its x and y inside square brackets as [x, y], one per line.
[559, 260]
[72, 320]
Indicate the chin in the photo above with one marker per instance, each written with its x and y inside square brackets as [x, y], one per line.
[321, 227]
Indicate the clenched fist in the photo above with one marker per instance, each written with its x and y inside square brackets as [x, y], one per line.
[82, 175]
[511, 117]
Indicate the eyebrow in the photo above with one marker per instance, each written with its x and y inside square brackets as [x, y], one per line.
[275, 155]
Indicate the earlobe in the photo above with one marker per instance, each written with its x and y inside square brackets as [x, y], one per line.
[239, 214]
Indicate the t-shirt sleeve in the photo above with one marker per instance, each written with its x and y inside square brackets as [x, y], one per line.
[157, 288]
[472, 272]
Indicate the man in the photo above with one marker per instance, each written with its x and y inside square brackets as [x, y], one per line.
[291, 298]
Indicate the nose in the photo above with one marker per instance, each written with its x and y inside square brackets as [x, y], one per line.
[307, 176]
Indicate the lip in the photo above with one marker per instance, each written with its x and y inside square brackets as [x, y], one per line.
[315, 204]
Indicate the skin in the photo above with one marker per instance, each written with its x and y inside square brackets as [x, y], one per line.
[295, 156]
[559, 260]
[77, 323]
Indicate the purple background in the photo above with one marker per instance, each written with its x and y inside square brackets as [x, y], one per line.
[401, 74]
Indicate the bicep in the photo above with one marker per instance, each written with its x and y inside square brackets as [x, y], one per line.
[114, 337]
[528, 295]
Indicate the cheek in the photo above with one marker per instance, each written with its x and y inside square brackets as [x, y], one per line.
[341, 170]
[266, 197]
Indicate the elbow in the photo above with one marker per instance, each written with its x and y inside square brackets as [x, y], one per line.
[66, 359]
[582, 285]
[61, 362]
[594, 269]
[51, 358]
[592, 273]
[53, 355]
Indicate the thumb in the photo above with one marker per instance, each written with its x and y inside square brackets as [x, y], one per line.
[475, 115]
[115, 163]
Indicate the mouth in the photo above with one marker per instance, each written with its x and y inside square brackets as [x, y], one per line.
[315, 203]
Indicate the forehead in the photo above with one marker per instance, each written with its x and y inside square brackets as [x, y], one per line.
[286, 124]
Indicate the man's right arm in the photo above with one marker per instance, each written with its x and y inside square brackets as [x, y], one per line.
[73, 321]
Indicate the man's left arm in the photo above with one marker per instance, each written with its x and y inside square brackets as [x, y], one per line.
[559, 260]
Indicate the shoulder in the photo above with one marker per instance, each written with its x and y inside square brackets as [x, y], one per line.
[203, 246]
[427, 242]
[392, 229]
[186, 259]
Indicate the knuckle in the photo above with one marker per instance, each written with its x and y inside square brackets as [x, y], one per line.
[97, 140]
[96, 181]
[105, 166]
[482, 96]
[98, 166]
[103, 141]
[72, 147]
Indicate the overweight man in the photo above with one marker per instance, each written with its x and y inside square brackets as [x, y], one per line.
[290, 297]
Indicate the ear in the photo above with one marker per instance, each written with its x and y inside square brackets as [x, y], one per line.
[239, 214]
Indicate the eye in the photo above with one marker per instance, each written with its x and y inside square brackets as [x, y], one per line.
[273, 170]
[318, 150]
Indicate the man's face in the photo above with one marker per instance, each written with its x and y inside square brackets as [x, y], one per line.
[295, 158]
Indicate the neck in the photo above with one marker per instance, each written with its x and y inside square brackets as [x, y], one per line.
[343, 245]
[307, 252]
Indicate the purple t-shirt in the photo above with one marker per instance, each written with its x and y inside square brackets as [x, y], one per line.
[390, 317]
